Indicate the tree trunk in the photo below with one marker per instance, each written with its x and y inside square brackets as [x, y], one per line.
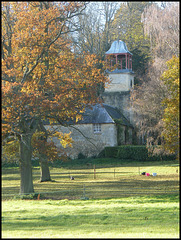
[44, 169]
[26, 182]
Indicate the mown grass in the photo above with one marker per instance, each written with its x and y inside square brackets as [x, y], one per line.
[109, 180]
[132, 217]
[122, 203]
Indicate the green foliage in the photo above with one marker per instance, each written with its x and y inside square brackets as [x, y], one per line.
[133, 152]
[7, 163]
[136, 153]
[27, 196]
[81, 156]
[131, 31]
[111, 152]
[11, 151]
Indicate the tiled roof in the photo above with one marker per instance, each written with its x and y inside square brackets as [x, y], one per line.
[116, 114]
[99, 113]
[103, 114]
[96, 114]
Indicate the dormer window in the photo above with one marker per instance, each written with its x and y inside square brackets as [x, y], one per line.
[97, 128]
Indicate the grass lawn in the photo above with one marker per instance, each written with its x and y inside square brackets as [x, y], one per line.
[132, 217]
[122, 203]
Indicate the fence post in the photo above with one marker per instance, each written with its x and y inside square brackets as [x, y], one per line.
[38, 198]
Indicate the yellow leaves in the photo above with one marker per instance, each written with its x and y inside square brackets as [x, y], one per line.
[78, 117]
[64, 138]
[11, 149]
[171, 78]
[55, 81]
[171, 103]
[37, 135]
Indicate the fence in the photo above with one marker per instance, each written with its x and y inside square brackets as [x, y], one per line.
[97, 183]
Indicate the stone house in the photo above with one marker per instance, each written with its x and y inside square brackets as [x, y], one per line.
[101, 125]
[111, 123]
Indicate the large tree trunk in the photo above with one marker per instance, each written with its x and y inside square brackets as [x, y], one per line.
[44, 169]
[26, 182]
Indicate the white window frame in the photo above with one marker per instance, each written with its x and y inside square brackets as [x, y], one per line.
[97, 128]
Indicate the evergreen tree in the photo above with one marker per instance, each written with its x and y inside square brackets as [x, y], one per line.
[128, 27]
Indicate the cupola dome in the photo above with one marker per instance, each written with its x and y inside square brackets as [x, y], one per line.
[119, 56]
[118, 47]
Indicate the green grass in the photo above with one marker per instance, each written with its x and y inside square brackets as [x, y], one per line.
[122, 203]
[134, 217]
[111, 180]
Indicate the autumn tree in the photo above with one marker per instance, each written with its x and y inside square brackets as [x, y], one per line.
[161, 24]
[171, 102]
[46, 150]
[42, 77]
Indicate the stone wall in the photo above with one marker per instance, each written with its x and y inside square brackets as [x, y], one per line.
[88, 143]
[120, 82]
[120, 100]
[117, 93]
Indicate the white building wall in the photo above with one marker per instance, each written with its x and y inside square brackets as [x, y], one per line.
[87, 143]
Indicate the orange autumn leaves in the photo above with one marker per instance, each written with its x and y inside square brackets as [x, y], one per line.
[42, 77]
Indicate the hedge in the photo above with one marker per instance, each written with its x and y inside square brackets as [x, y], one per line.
[134, 152]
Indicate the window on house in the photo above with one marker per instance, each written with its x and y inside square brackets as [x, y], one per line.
[97, 128]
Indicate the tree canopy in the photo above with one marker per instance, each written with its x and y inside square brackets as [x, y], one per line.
[150, 100]
[171, 103]
[128, 26]
[42, 77]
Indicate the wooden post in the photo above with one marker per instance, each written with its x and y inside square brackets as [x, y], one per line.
[38, 198]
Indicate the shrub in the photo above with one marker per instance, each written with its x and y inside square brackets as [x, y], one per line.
[111, 152]
[81, 156]
[136, 152]
[27, 196]
[101, 154]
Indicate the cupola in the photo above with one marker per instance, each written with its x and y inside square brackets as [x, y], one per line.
[119, 55]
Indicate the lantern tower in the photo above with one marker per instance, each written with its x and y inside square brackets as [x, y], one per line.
[117, 92]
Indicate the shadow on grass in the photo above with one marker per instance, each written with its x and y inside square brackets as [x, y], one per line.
[115, 217]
